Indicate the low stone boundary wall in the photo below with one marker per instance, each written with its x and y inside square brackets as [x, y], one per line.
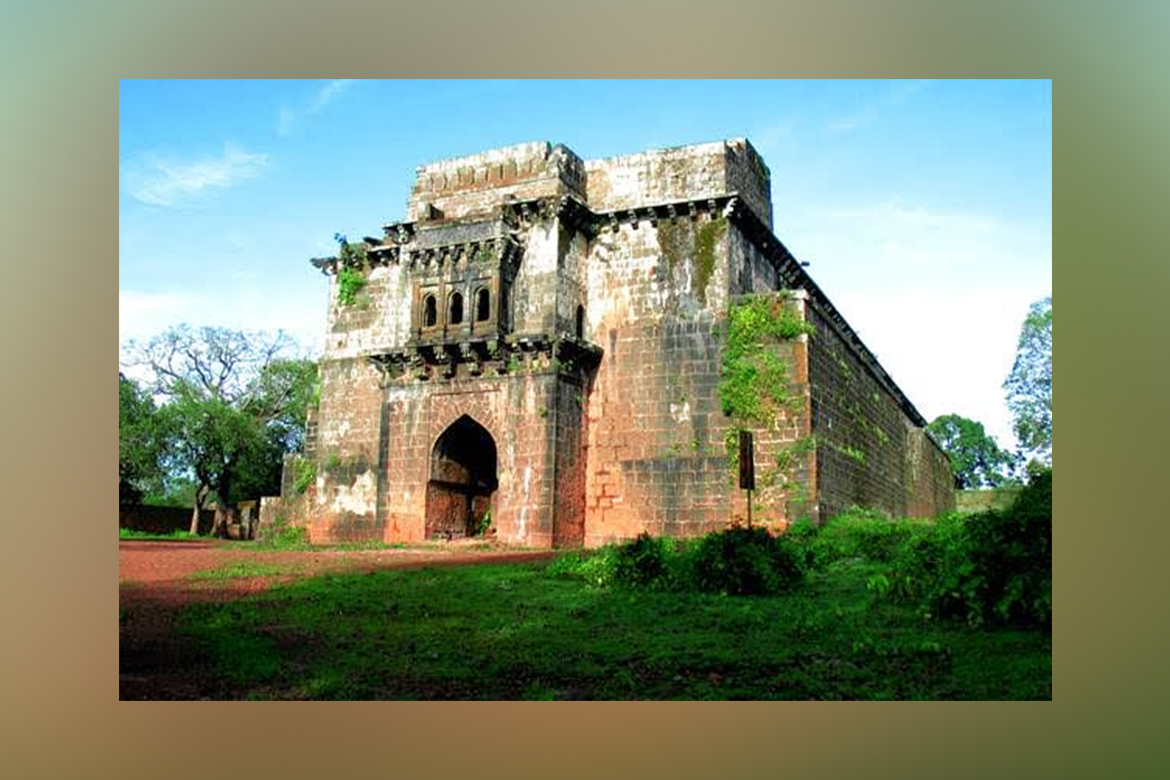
[969, 502]
[161, 519]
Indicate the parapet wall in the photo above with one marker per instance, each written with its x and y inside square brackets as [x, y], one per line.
[681, 173]
[869, 452]
[475, 185]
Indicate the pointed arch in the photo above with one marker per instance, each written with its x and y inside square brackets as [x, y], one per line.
[462, 481]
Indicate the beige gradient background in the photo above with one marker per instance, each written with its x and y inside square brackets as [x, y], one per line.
[58, 182]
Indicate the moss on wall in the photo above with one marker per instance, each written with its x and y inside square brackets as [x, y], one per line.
[707, 237]
[681, 242]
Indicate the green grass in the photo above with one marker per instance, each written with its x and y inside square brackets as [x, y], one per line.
[525, 632]
[242, 569]
[126, 533]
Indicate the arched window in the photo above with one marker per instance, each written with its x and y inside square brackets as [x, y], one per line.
[430, 312]
[456, 316]
[483, 305]
[580, 322]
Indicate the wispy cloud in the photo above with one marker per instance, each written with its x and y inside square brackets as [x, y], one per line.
[325, 94]
[166, 182]
[912, 239]
[896, 218]
[868, 115]
[143, 315]
[771, 138]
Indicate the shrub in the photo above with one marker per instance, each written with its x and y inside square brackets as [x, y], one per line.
[349, 283]
[283, 535]
[746, 561]
[304, 473]
[863, 533]
[1012, 555]
[595, 567]
[643, 562]
[989, 568]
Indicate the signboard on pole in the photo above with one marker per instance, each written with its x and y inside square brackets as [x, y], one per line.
[747, 461]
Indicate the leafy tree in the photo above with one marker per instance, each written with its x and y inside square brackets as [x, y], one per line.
[976, 459]
[142, 442]
[235, 404]
[1028, 386]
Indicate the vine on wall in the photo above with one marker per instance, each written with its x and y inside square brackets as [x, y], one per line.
[754, 386]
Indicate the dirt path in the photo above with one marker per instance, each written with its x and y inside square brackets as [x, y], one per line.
[155, 583]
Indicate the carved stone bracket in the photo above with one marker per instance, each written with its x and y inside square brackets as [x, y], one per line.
[539, 353]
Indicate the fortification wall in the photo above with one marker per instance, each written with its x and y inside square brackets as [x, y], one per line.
[656, 462]
[341, 503]
[869, 452]
[681, 173]
[475, 185]
[379, 317]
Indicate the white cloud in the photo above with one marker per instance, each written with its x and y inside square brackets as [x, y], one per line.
[326, 94]
[164, 182]
[249, 307]
[896, 95]
[288, 117]
[948, 352]
[937, 295]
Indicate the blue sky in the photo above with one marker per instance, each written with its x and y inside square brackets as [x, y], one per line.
[923, 207]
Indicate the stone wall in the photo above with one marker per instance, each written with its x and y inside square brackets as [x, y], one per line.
[349, 436]
[871, 450]
[477, 184]
[162, 519]
[656, 461]
[678, 174]
[971, 501]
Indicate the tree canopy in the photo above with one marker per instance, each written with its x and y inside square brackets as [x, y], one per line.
[142, 442]
[976, 458]
[1028, 387]
[234, 403]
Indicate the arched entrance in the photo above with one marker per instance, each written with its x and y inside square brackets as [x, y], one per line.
[462, 481]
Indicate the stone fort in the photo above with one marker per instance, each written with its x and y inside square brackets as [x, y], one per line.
[539, 351]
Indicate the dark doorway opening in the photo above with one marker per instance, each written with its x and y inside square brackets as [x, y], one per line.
[462, 481]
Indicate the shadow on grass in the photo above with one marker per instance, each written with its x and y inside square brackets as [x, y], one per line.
[519, 632]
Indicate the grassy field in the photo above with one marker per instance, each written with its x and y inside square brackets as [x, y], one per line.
[526, 632]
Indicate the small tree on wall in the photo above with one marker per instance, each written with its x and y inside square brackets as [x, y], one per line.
[353, 262]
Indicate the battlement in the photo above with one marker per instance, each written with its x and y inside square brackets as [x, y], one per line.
[681, 173]
[476, 184]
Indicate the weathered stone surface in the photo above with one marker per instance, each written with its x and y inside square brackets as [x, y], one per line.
[574, 315]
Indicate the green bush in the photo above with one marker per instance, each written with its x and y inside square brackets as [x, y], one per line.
[283, 535]
[595, 567]
[990, 568]
[643, 562]
[747, 561]
[738, 561]
[862, 533]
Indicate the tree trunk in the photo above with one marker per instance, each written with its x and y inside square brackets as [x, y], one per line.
[219, 527]
[222, 508]
[200, 497]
